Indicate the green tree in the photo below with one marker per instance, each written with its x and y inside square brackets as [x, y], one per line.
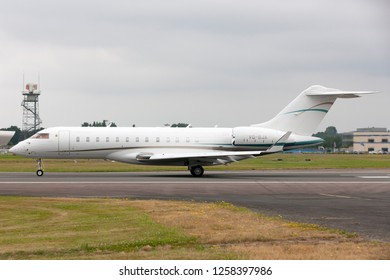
[179, 125]
[104, 123]
[331, 131]
[331, 138]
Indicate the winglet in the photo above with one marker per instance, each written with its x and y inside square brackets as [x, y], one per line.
[278, 146]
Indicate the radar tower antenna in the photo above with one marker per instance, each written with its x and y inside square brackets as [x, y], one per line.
[31, 120]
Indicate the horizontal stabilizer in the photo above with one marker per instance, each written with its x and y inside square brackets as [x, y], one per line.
[323, 91]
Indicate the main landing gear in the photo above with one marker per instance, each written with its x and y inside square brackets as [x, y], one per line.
[196, 171]
[40, 167]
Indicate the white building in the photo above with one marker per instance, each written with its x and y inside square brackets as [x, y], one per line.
[371, 140]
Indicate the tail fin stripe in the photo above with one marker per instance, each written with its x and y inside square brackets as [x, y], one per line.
[312, 109]
[307, 110]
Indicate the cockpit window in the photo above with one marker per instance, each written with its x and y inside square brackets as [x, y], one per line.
[40, 136]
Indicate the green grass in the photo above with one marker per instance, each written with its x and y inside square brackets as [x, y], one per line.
[11, 163]
[91, 228]
[48, 228]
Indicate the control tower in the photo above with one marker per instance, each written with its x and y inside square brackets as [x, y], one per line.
[30, 104]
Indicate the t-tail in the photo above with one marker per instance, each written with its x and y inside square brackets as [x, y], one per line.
[304, 114]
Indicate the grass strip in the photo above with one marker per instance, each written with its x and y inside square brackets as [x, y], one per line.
[86, 228]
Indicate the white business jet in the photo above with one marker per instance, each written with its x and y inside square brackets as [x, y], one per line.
[192, 147]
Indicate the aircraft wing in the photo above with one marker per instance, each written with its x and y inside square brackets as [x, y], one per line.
[166, 156]
[208, 154]
[204, 157]
[278, 146]
[224, 156]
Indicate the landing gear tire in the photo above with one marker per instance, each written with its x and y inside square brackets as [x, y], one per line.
[40, 167]
[196, 171]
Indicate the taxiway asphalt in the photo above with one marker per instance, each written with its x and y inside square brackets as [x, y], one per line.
[352, 200]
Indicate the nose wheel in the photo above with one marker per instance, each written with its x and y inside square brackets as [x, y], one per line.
[40, 167]
[196, 171]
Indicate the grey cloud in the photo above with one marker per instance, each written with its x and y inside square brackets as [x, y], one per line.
[213, 55]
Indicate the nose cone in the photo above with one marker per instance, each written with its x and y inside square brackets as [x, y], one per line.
[14, 149]
[17, 149]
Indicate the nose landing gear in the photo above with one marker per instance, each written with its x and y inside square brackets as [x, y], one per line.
[40, 167]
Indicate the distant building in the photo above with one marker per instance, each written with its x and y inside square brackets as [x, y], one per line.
[367, 140]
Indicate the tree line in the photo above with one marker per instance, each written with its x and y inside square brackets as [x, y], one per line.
[332, 139]
[104, 123]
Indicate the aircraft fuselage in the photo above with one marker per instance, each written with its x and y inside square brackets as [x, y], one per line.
[127, 144]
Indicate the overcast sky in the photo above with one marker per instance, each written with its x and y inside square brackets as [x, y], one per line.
[207, 63]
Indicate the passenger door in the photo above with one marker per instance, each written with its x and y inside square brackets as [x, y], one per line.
[64, 142]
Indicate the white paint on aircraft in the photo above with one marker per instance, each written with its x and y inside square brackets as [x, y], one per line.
[5, 137]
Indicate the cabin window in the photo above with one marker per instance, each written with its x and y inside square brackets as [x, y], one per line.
[97, 139]
[77, 139]
[177, 139]
[146, 139]
[117, 139]
[168, 139]
[196, 140]
[107, 139]
[137, 139]
[157, 139]
[188, 139]
[127, 139]
[87, 139]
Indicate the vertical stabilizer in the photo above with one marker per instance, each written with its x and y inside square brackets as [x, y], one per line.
[304, 114]
[5, 137]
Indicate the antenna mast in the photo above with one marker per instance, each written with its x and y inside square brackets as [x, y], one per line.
[31, 120]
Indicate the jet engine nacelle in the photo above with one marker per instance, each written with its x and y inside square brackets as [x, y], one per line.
[255, 135]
